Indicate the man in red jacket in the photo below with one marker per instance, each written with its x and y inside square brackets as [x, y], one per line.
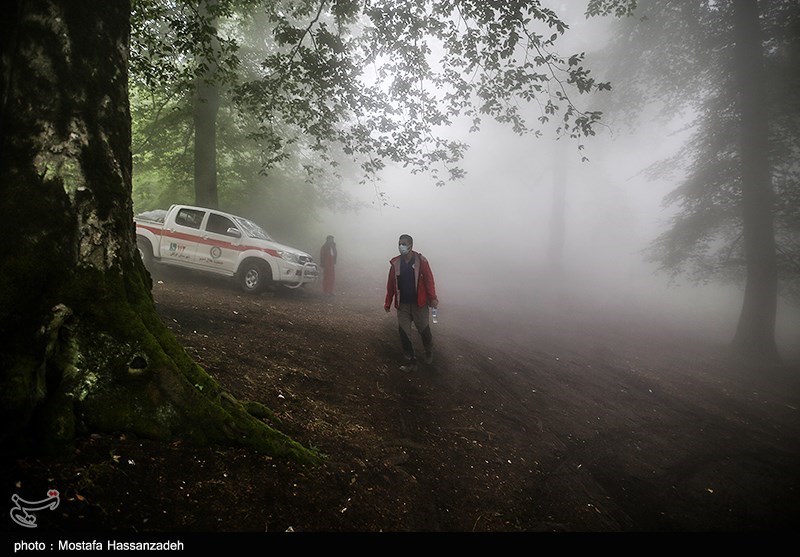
[412, 288]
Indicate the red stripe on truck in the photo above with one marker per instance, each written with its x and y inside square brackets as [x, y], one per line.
[205, 241]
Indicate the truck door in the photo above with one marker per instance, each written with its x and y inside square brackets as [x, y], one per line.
[181, 234]
[218, 246]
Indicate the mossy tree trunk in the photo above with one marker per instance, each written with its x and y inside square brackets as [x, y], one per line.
[83, 347]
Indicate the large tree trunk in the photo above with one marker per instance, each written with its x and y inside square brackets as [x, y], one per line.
[204, 112]
[755, 333]
[206, 107]
[83, 347]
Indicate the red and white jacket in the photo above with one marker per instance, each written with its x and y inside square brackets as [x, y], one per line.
[423, 277]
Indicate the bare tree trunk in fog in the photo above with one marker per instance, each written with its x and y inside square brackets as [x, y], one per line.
[755, 333]
[555, 252]
[206, 107]
[205, 110]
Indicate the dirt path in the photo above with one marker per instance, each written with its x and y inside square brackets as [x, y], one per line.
[519, 425]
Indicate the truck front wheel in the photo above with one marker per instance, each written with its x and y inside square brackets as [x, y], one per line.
[254, 276]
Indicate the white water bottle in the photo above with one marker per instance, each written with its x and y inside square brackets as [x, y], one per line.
[433, 315]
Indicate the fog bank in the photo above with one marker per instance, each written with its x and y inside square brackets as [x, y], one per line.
[488, 237]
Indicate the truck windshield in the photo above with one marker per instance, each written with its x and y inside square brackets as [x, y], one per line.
[253, 230]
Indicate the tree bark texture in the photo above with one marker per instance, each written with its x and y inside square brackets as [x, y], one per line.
[206, 107]
[755, 333]
[83, 347]
[204, 113]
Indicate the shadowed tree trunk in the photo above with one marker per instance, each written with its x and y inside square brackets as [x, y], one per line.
[204, 113]
[83, 347]
[206, 107]
[755, 333]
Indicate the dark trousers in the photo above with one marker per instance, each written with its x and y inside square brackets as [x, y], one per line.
[408, 314]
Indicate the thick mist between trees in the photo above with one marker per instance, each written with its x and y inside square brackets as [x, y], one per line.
[489, 237]
[535, 228]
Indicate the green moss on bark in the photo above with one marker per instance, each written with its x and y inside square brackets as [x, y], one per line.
[171, 396]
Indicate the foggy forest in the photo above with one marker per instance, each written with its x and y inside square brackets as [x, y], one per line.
[620, 201]
[607, 193]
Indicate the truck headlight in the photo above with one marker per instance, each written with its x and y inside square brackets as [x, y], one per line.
[289, 256]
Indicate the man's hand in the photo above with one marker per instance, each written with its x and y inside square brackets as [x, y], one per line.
[435, 303]
[387, 308]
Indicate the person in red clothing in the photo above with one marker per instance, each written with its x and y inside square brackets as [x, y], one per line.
[327, 259]
[412, 289]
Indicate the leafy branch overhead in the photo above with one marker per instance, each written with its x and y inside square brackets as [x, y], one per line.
[378, 81]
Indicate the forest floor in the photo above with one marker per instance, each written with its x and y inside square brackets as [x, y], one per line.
[578, 424]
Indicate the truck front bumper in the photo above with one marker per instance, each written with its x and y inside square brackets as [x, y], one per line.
[299, 275]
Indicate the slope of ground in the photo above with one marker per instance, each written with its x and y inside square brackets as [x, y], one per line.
[531, 425]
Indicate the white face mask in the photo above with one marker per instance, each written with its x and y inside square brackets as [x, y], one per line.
[404, 249]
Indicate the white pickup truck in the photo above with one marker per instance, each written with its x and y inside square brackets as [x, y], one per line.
[217, 242]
